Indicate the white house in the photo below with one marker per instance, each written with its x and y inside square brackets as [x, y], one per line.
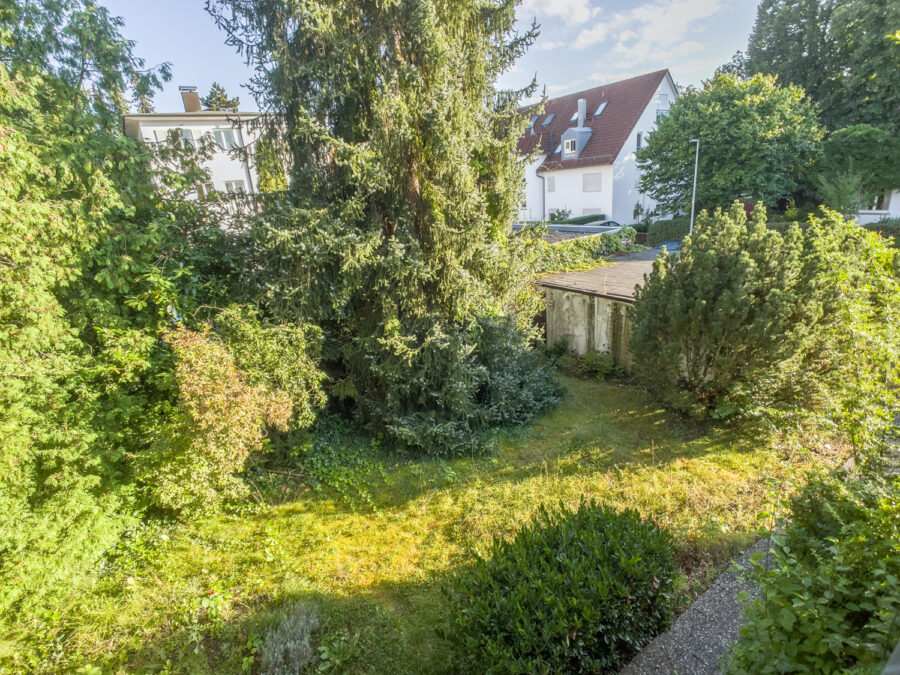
[231, 170]
[584, 149]
[886, 206]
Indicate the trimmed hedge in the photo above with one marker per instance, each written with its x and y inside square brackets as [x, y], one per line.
[668, 230]
[573, 592]
[830, 601]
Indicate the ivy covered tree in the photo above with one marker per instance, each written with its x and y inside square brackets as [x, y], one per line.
[218, 99]
[404, 184]
[757, 141]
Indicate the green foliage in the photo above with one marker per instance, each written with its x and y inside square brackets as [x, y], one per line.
[571, 592]
[871, 152]
[889, 229]
[842, 190]
[270, 164]
[661, 231]
[747, 319]
[217, 99]
[758, 140]
[286, 649]
[573, 254]
[559, 215]
[592, 364]
[582, 220]
[218, 423]
[831, 594]
[839, 52]
[394, 237]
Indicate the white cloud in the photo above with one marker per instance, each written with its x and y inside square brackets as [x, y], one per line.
[571, 12]
[548, 46]
[655, 24]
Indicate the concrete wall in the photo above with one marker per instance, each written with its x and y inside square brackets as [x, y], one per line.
[589, 322]
[626, 174]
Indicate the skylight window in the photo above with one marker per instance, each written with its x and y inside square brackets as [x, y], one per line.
[534, 118]
[558, 148]
[600, 108]
[549, 119]
[574, 117]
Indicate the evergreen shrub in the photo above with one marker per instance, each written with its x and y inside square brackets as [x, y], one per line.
[573, 591]
[889, 229]
[831, 594]
[661, 231]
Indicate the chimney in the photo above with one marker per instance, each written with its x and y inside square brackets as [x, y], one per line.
[191, 99]
[582, 106]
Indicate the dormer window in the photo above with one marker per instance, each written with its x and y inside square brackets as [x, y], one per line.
[573, 118]
[549, 119]
[600, 109]
[569, 146]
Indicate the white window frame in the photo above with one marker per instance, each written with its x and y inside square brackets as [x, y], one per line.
[221, 135]
[885, 206]
[551, 183]
[569, 146]
[187, 136]
[230, 186]
[589, 186]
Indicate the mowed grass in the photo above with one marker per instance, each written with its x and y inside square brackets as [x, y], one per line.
[375, 578]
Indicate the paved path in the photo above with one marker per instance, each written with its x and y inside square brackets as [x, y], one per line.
[700, 637]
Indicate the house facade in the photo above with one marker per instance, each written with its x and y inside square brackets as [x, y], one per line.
[884, 207]
[232, 168]
[580, 152]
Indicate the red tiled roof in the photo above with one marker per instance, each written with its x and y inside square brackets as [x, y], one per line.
[626, 100]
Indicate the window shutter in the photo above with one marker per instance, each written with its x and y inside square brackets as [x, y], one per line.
[592, 182]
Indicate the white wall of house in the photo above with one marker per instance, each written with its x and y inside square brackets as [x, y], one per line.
[889, 210]
[228, 170]
[566, 190]
[533, 206]
[626, 190]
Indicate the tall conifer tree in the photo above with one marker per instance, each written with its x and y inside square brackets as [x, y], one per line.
[405, 183]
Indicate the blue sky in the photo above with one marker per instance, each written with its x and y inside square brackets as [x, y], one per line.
[583, 43]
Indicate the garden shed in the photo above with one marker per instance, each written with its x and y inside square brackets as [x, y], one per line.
[589, 309]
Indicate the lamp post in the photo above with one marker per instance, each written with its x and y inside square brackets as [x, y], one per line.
[694, 195]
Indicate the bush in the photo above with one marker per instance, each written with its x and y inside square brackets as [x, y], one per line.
[579, 253]
[831, 597]
[592, 364]
[286, 649]
[889, 229]
[749, 320]
[572, 592]
[559, 215]
[667, 230]
[218, 422]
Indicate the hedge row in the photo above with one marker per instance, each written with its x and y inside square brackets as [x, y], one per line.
[667, 230]
[584, 220]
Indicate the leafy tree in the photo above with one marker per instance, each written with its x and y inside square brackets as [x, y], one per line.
[737, 66]
[838, 52]
[871, 151]
[403, 185]
[217, 99]
[757, 141]
[270, 163]
[749, 320]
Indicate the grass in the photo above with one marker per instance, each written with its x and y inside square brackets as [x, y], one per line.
[199, 597]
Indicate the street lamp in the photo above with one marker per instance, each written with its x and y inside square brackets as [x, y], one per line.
[694, 195]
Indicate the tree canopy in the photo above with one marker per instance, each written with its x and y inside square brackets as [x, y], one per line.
[218, 99]
[839, 52]
[757, 141]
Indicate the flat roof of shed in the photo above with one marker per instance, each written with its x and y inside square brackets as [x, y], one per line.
[616, 281]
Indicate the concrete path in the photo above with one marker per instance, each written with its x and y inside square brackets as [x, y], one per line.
[701, 636]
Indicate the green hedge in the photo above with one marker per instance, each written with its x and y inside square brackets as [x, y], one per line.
[667, 230]
[830, 599]
[573, 592]
[887, 229]
[580, 253]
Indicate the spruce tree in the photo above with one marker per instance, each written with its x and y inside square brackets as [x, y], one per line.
[218, 99]
[404, 185]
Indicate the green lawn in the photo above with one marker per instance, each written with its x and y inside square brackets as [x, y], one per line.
[376, 577]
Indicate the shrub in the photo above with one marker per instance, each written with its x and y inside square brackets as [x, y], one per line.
[572, 592]
[578, 253]
[286, 649]
[831, 597]
[667, 230]
[749, 320]
[583, 220]
[889, 229]
[218, 422]
[559, 215]
[592, 364]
